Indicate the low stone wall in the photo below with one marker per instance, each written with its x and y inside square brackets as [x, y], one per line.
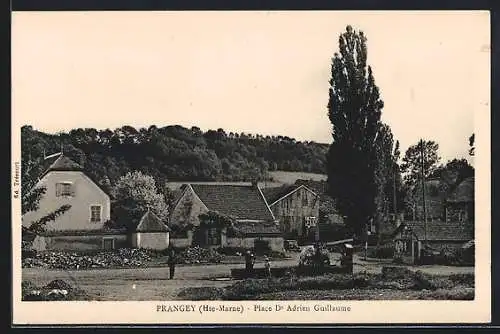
[180, 242]
[276, 243]
[78, 242]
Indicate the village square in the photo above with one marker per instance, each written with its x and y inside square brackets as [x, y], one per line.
[168, 212]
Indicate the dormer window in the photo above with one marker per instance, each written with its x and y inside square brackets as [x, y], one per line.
[64, 189]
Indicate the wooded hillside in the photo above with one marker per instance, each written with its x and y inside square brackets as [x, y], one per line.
[174, 153]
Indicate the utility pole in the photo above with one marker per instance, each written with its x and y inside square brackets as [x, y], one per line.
[422, 154]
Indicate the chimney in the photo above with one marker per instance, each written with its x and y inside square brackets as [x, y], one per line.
[255, 183]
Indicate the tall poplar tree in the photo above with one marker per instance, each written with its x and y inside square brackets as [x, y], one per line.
[354, 109]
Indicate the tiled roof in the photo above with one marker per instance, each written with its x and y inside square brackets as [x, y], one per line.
[58, 163]
[319, 187]
[275, 193]
[240, 202]
[257, 228]
[464, 192]
[63, 163]
[174, 185]
[151, 223]
[441, 231]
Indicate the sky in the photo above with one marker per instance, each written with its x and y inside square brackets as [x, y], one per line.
[252, 72]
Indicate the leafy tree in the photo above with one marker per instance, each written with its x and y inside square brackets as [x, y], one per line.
[384, 172]
[412, 161]
[354, 110]
[31, 194]
[453, 173]
[398, 192]
[134, 194]
[177, 153]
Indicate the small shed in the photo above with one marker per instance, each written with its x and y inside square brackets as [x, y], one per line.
[411, 236]
[151, 233]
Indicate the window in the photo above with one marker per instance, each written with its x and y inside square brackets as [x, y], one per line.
[310, 221]
[108, 243]
[64, 189]
[213, 236]
[95, 213]
[305, 202]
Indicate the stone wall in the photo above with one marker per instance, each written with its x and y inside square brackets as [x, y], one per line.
[276, 243]
[156, 240]
[78, 243]
[182, 242]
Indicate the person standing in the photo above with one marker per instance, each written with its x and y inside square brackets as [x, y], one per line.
[267, 266]
[249, 261]
[171, 262]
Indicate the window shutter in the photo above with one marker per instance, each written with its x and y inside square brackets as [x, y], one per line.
[58, 189]
[73, 190]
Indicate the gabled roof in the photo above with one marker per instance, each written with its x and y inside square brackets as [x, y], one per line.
[440, 231]
[66, 164]
[151, 223]
[319, 187]
[257, 228]
[464, 192]
[61, 163]
[275, 194]
[240, 202]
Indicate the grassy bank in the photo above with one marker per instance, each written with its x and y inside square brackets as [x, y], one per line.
[392, 283]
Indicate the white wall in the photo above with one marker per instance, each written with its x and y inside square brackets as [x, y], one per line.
[156, 240]
[87, 193]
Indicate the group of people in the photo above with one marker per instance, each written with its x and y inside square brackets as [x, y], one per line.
[250, 261]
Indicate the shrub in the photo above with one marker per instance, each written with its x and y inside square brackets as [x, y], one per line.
[465, 256]
[431, 282]
[198, 254]
[453, 294]
[393, 272]
[201, 293]
[59, 284]
[251, 287]
[335, 281]
[463, 279]
[30, 292]
[27, 286]
[27, 253]
[231, 250]
[381, 252]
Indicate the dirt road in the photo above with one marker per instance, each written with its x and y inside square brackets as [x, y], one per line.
[153, 283]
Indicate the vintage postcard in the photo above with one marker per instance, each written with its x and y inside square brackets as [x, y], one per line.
[301, 167]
